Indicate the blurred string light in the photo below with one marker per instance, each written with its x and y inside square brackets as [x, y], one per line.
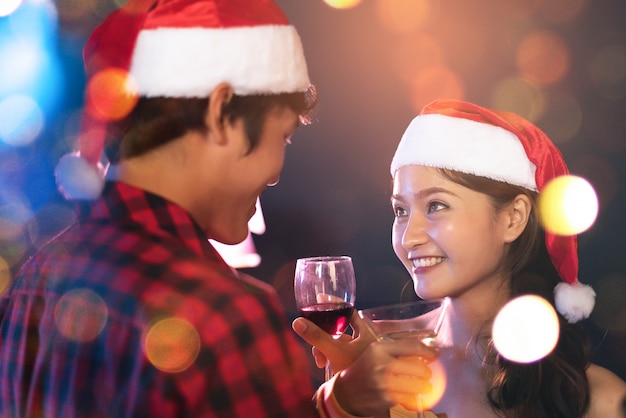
[30, 74]
[526, 329]
[342, 4]
[568, 205]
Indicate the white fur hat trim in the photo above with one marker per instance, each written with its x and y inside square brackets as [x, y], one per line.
[574, 301]
[191, 62]
[463, 145]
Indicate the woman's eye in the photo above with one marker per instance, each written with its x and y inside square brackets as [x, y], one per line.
[436, 206]
[399, 211]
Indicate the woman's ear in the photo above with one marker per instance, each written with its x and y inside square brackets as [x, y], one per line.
[518, 213]
[214, 118]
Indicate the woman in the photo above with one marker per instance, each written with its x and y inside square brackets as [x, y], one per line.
[465, 184]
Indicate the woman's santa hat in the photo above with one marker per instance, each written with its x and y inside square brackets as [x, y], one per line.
[178, 48]
[502, 146]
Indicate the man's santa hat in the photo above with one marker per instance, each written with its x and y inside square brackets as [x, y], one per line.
[502, 146]
[177, 48]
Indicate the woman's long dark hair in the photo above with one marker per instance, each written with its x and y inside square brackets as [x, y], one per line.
[556, 386]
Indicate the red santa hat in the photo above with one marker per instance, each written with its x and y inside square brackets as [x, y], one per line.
[503, 146]
[177, 48]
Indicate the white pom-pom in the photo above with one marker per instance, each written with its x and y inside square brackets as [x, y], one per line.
[574, 301]
[77, 179]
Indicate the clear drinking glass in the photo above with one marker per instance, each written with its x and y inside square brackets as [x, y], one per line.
[325, 290]
[420, 319]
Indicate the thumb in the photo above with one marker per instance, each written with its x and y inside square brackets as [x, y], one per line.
[364, 328]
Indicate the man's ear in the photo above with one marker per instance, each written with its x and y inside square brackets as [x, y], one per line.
[214, 118]
[518, 213]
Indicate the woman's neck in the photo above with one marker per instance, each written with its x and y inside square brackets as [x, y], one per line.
[469, 318]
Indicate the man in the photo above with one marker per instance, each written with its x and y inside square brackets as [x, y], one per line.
[131, 311]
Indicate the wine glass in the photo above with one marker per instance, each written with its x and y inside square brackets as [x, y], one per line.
[325, 289]
[421, 319]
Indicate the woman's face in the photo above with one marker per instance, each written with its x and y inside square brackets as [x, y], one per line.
[449, 237]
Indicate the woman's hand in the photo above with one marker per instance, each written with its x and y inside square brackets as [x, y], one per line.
[374, 374]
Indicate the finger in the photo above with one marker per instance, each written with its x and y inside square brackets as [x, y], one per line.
[363, 327]
[398, 384]
[320, 358]
[312, 334]
[409, 401]
[410, 366]
[410, 347]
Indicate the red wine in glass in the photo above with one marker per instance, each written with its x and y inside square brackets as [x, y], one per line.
[331, 317]
[325, 290]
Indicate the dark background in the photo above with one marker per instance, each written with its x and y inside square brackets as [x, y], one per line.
[372, 78]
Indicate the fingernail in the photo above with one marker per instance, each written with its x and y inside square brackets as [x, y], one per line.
[299, 326]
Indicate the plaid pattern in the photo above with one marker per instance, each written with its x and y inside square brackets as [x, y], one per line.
[131, 313]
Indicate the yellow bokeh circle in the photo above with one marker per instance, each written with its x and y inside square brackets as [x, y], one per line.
[172, 344]
[568, 205]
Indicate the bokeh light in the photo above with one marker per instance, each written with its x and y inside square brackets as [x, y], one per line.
[9, 6]
[15, 212]
[543, 57]
[110, 94]
[520, 96]
[405, 15]
[562, 118]
[526, 329]
[568, 205]
[172, 344]
[412, 54]
[438, 381]
[5, 276]
[435, 82]
[80, 315]
[21, 120]
[342, 4]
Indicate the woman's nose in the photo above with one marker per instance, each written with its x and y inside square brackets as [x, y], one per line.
[415, 233]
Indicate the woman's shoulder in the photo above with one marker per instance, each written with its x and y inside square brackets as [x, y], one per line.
[608, 393]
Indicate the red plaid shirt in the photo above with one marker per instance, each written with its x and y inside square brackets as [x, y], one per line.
[131, 313]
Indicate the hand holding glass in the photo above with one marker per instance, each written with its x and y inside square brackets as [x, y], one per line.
[420, 319]
[325, 289]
